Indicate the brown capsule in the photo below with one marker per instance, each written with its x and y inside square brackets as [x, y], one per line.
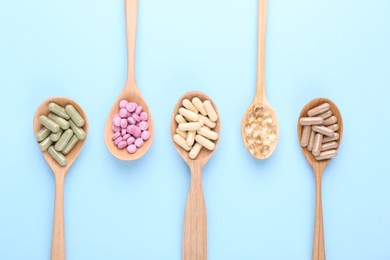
[334, 127]
[317, 144]
[330, 139]
[319, 110]
[329, 146]
[311, 141]
[327, 155]
[305, 136]
[311, 121]
[323, 130]
[330, 121]
[326, 115]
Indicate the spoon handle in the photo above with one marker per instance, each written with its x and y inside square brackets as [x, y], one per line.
[195, 219]
[262, 19]
[131, 9]
[319, 241]
[58, 237]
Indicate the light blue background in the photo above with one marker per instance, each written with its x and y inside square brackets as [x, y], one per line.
[256, 209]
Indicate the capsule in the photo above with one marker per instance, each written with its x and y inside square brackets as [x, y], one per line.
[193, 126]
[58, 156]
[74, 115]
[195, 150]
[59, 120]
[207, 121]
[64, 139]
[311, 141]
[49, 124]
[181, 133]
[326, 115]
[334, 127]
[327, 155]
[180, 141]
[330, 121]
[44, 145]
[79, 132]
[42, 134]
[205, 142]
[330, 139]
[311, 121]
[306, 132]
[55, 136]
[317, 144]
[188, 114]
[190, 138]
[188, 104]
[210, 111]
[180, 119]
[329, 146]
[58, 110]
[323, 130]
[69, 146]
[199, 105]
[319, 110]
[206, 132]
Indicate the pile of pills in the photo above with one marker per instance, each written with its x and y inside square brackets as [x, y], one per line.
[319, 133]
[195, 120]
[130, 127]
[260, 131]
[62, 129]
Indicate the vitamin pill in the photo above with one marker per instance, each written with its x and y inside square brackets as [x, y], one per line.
[44, 145]
[117, 120]
[136, 117]
[135, 131]
[205, 142]
[334, 127]
[190, 138]
[329, 146]
[193, 126]
[64, 139]
[317, 144]
[144, 116]
[122, 144]
[207, 121]
[188, 114]
[195, 150]
[116, 135]
[42, 134]
[75, 116]
[139, 142]
[49, 124]
[180, 119]
[131, 140]
[330, 139]
[206, 132]
[138, 110]
[123, 112]
[114, 128]
[145, 135]
[124, 123]
[132, 148]
[311, 141]
[323, 130]
[188, 104]
[118, 140]
[330, 121]
[124, 131]
[327, 155]
[305, 136]
[131, 121]
[326, 114]
[131, 107]
[311, 121]
[69, 146]
[143, 125]
[125, 137]
[210, 111]
[199, 105]
[58, 156]
[180, 141]
[182, 133]
[58, 110]
[319, 110]
[59, 120]
[56, 136]
[79, 132]
[123, 103]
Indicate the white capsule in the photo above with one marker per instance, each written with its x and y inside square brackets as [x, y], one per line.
[319, 110]
[191, 116]
[188, 104]
[195, 150]
[193, 126]
[205, 142]
[206, 132]
[181, 133]
[180, 141]
[199, 105]
[191, 138]
[207, 121]
[210, 111]
[180, 119]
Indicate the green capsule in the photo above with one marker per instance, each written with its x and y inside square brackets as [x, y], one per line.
[59, 120]
[49, 124]
[42, 134]
[55, 136]
[74, 115]
[45, 144]
[79, 132]
[69, 146]
[64, 139]
[58, 110]
[58, 156]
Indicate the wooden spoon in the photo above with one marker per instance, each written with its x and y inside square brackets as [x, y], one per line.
[260, 99]
[195, 219]
[130, 92]
[58, 237]
[318, 168]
